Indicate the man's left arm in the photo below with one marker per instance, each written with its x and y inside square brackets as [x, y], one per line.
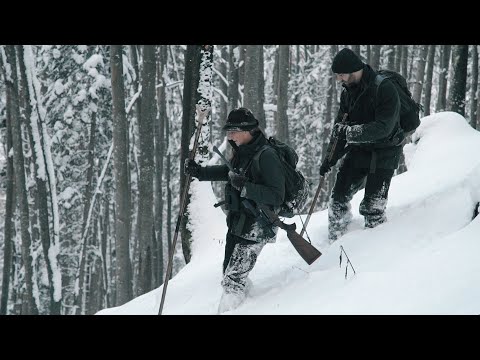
[387, 112]
[272, 191]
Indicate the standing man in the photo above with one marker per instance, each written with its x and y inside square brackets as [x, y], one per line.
[368, 124]
[262, 181]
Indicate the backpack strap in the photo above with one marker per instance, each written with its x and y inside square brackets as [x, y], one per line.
[256, 157]
[378, 80]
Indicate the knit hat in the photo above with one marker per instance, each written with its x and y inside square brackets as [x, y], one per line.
[240, 119]
[346, 62]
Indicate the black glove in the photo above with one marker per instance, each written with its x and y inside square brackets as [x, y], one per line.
[191, 167]
[237, 181]
[340, 130]
[325, 168]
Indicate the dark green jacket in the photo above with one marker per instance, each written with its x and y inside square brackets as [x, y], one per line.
[374, 116]
[266, 185]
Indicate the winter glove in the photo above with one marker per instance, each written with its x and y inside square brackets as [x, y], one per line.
[237, 181]
[340, 131]
[191, 167]
[325, 167]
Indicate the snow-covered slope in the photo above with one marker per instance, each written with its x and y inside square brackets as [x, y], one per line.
[424, 260]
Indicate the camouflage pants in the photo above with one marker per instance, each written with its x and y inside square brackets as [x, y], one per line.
[349, 181]
[240, 258]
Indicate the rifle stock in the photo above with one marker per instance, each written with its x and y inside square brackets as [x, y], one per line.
[306, 250]
[267, 218]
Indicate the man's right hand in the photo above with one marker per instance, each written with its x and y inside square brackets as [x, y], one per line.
[324, 168]
[191, 168]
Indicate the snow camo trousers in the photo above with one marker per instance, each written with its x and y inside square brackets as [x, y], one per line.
[349, 181]
[240, 258]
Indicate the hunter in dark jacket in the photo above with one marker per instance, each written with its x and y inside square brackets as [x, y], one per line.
[264, 184]
[368, 124]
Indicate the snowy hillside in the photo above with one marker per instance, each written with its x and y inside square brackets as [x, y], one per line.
[424, 260]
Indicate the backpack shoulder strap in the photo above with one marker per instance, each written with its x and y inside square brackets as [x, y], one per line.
[378, 80]
[256, 157]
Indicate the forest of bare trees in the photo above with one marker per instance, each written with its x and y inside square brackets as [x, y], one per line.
[93, 138]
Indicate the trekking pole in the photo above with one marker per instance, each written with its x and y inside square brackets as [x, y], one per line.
[202, 114]
[317, 193]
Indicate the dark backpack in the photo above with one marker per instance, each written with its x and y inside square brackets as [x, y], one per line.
[409, 109]
[296, 189]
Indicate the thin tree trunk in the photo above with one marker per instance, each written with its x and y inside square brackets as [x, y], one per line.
[428, 81]
[159, 154]
[261, 88]
[391, 57]
[283, 77]
[474, 86]
[252, 91]
[398, 57]
[169, 190]
[458, 86]
[418, 84]
[145, 181]
[275, 84]
[369, 54]
[241, 68]
[122, 196]
[191, 80]
[104, 236]
[223, 86]
[443, 78]
[375, 61]
[233, 81]
[404, 62]
[20, 181]
[9, 209]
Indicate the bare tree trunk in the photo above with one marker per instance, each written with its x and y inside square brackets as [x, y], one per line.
[224, 86]
[391, 57]
[428, 81]
[159, 154]
[458, 86]
[418, 84]
[443, 78]
[369, 54]
[375, 62]
[94, 300]
[329, 120]
[233, 81]
[252, 91]
[122, 196]
[261, 88]
[191, 80]
[398, 57]
[282, 92]
[104, 235]
[241, 69]
[404, 62]
[169, 190]
[9, 210]
[275, 84]
[19, 170]
[297, 63]
[145, 181]
[40, 177]
[473, 89]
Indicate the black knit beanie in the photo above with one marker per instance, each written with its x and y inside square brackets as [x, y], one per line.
[240, 119]
[346, 62]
